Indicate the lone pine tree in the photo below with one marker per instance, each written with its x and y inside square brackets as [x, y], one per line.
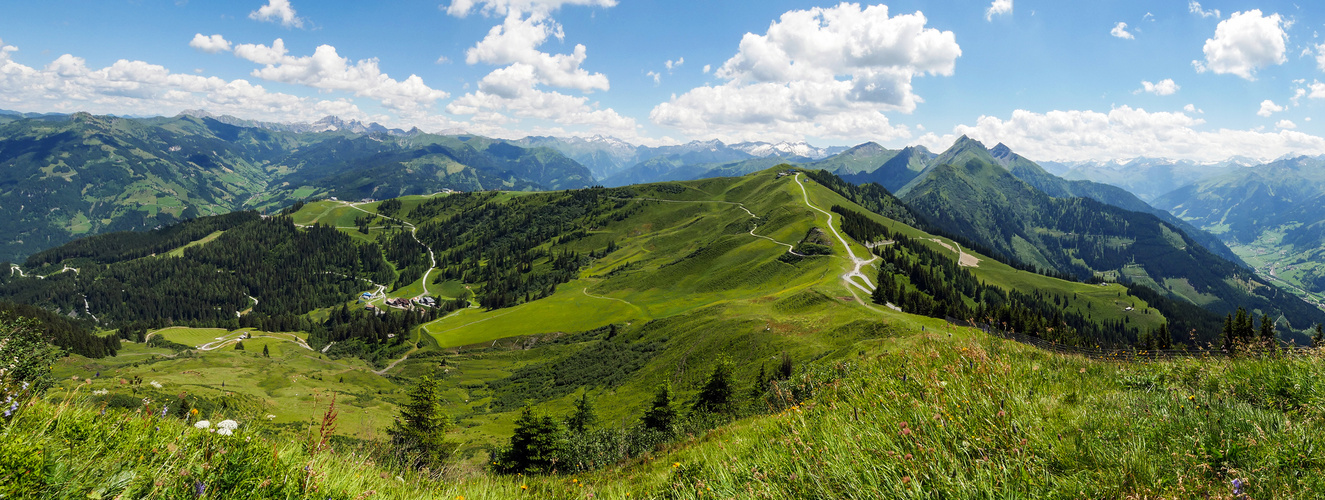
[419, 432]
[716, 396]
[535, 446]
[661, 415]
[584, 417]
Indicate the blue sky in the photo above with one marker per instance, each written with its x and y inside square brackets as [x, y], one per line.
[1054, 80]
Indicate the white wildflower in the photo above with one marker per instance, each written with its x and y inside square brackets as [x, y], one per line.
[227, 424]
[202, 424]
[155, 384]
[224, 432]
[100, 392]
[269, 417]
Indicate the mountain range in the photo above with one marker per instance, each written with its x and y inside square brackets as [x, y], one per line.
[1273, 215]
[63, 176]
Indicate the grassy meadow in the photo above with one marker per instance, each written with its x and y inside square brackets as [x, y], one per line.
[881, 403]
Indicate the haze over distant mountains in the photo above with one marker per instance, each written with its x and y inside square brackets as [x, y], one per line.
[197, 163]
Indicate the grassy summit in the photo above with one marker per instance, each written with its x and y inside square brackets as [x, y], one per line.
[676, 278]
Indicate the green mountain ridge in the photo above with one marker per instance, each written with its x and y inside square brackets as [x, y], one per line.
[1271, 214]
[65, 176]
[967, 192]
[610, 293]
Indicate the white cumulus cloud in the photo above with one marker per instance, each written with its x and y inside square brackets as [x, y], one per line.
[1268, 108]
[462, 8]
[998, 7]
[1285, 125]
[823, 72]
[674, 64]
[210, 44]
[517, 39]
[1120, 31]
[278, 11]
[327, 70]
[1320, 56]
[127, 87]
[512, 89]
[1164, 87]
[1195, 8]
[657, 77]
[1244, 43]
[1125, 132]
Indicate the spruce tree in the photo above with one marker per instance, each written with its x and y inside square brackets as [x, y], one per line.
[420, 430]
[536, 446]
[661, 415]
[265, 353]
[1228, 333]
[1246, 328]
[239, 346]
[760, 383]
[1267, 332]
[1319, 339]
[584, 417]
[716, 396]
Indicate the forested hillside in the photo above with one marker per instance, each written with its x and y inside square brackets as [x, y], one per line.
[966, 193]
[66, 176]
[1271, 214]
[609, 323]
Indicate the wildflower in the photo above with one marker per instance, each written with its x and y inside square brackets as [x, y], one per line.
[524, 487]
[199, 488]
[228, 424]
[269, 417]
[155, 384]
[165, 409]
[202, 424]
[676, 464]
[1237, 486]
[100, 392]
[193, 412]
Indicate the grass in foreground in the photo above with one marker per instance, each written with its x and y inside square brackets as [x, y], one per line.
[925, 416]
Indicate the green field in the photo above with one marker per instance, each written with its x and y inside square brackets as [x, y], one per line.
[687, 286]
[286, 385]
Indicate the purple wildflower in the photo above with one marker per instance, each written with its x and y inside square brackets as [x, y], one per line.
[164, 409]
[199, 488]
[1237, 486]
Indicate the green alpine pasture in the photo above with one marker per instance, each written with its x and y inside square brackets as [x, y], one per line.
[881, 403]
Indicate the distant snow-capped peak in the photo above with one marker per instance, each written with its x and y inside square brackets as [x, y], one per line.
[764, 149]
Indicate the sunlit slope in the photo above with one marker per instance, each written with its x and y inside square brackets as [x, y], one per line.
[688, 245]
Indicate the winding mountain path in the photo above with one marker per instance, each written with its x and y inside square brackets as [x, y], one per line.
[413, 232]
[857, 262]
[14, 268]
[791, 249]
